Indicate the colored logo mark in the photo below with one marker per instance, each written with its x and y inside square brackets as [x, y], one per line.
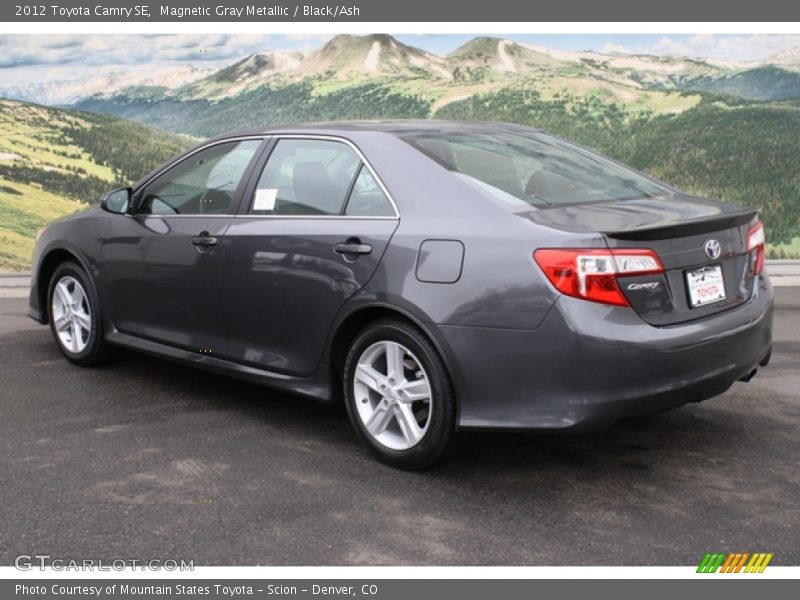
[735, 563]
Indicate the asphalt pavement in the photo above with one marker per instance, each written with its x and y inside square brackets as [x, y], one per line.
[145, 459]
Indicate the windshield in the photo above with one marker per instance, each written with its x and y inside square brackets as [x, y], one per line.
[534, 168]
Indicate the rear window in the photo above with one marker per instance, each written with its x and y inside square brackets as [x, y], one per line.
[534, 169]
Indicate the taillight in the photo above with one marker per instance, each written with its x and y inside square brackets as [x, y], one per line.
[756, 246]
[592, 274]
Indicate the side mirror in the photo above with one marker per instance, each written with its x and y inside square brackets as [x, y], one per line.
[117, 201]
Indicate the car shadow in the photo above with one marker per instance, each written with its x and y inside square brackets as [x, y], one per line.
[633, 447]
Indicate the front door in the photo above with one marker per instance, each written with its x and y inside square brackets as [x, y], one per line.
[161, 263]
[311, 233]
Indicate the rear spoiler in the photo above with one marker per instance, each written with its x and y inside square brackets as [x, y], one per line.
[685, 228]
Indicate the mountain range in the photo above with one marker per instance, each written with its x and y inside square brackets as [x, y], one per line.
[68, 91]
[715, 128]
[487, 60]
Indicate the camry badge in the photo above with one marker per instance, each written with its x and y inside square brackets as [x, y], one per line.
[649, 285]
[713, 249]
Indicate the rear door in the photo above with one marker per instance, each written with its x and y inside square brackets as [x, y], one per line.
[314, 224]
[161, 263]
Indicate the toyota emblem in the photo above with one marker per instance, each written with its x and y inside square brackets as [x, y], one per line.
[713, 249]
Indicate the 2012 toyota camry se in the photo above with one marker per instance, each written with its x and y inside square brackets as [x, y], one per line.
[435, 276]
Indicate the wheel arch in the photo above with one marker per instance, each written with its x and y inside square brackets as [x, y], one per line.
[48, 265]
[353, 322]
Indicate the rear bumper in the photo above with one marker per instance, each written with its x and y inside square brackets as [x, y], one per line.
[588, 365]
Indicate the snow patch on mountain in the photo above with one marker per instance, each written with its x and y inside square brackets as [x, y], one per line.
[64, 92]
[506, 62]
[373, 56]
[790, 56]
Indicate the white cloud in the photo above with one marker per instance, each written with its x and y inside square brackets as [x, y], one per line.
[309, 37]
[724, 47]
[702, 39]
[612, 48]
[88, 50]
[668, 46]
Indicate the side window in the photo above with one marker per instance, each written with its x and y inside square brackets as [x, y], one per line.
[204, 183]
[367, 198]
[306, 177]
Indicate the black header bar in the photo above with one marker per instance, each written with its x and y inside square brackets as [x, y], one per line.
[352, 11]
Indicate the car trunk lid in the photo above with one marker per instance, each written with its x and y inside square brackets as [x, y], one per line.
[698, 242]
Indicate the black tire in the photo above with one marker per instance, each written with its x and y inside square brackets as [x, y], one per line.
[97, 350]
[438, 440]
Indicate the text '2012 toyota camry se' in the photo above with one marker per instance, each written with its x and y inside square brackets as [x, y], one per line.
[433, 275]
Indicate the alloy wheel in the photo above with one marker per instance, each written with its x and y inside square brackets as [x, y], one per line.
[72, 314]
[392, 395]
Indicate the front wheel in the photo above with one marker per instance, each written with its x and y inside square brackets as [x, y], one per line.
[399, 396]
[75, 316]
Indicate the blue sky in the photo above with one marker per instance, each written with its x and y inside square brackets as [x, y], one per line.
[42, 58]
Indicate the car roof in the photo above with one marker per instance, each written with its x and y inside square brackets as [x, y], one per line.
[398, 127]
[355, 131]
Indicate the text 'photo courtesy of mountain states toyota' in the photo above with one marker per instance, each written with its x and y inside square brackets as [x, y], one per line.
[432, 275]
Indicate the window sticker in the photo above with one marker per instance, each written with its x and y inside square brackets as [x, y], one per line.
[265, 199]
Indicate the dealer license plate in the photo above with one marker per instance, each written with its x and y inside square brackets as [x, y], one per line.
[705, 285]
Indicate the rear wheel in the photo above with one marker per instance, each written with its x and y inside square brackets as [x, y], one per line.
[399, 396]
[75, 316]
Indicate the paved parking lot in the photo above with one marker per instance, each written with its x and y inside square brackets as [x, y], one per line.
[146, 459]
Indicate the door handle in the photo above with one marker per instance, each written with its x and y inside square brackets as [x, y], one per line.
[352, 247]
[204, 239]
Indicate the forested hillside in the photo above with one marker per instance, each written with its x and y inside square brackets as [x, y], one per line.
[55, 162]
[719, 146]
[716, 130]
[744, 152]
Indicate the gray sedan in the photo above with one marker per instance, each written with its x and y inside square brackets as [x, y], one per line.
[434, 276]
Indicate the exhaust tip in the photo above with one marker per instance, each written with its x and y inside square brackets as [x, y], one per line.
[749, 376]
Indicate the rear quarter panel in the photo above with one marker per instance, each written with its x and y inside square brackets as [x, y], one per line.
[499, 285]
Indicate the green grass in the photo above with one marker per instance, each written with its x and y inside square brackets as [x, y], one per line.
[35, 134]
[23, 210]
[789, 250]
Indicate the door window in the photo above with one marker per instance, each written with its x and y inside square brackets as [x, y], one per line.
[204, 183]
[306, 177]
[367, 198]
